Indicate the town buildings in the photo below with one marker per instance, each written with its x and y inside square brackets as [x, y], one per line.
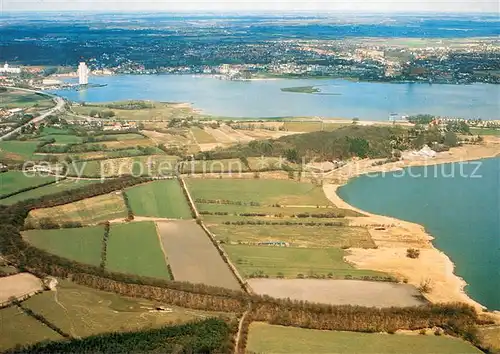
[6, 69]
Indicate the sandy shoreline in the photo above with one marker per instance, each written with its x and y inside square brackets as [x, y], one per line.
[433, 265]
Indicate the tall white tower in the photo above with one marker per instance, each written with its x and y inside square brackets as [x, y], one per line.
[83, 74]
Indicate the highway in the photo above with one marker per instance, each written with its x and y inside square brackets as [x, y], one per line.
[58, 107]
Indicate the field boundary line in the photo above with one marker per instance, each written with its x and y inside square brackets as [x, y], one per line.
[222, 252]
[163, 251]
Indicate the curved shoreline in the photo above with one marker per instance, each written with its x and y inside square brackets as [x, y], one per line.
[399, 235]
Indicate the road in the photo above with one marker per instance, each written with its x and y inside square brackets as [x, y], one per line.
[58, 107]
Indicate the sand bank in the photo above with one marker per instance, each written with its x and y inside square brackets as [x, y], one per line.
[432, 266]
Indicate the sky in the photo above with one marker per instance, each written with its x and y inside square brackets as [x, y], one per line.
[464, 6]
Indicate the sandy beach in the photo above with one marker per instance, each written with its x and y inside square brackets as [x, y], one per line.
[393, 236]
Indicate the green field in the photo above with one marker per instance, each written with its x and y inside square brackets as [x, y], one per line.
[234, 166]
[47, 190]
[82, 311]
[267, 192]
[17, 150]
[290, 261]
[87, 211]
[82, 244]
[13, 181]
[264, 338]
[134, 248]
[153, 111]
[22, 99]
[17, 328]
[202, 137]
[62, 138]
[486, 131]
[296, 236]
[162, 199]
[153, 165]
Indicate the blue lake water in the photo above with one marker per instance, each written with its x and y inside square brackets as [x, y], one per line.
[462, 213]
[364, 100]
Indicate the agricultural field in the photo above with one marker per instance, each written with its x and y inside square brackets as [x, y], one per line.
[81, 311]
[62, 138]
[21, 99]
[308, 127]
[127, 136]
[295, 235]
[139, 110]
[153, 165]
[265, 192]
[202, 137]
[63, 185]
[17, 328]
[13, 181]
[192, 256]
[123, 144]
[80, 244]
[87, 211]
[233, 166]
[485, 131]
[162, 199]
[134, 248]
[167, 137]
[264, 338]
[290, 262]
[18, 150]
[18, 286]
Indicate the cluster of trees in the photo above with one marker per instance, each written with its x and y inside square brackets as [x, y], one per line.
[282, 223]
[213, 335]
[104, 246]
[130, 105]
[101, 114]
[226, 202]
[126, 201]
[329, 215]
[340, 144]
[220, 213]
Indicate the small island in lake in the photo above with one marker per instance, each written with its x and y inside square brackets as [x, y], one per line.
[301, 89]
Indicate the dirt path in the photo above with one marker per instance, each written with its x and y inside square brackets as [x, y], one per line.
[238, 334]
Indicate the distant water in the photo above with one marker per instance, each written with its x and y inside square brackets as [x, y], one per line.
[462, 213]
[364, 100]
